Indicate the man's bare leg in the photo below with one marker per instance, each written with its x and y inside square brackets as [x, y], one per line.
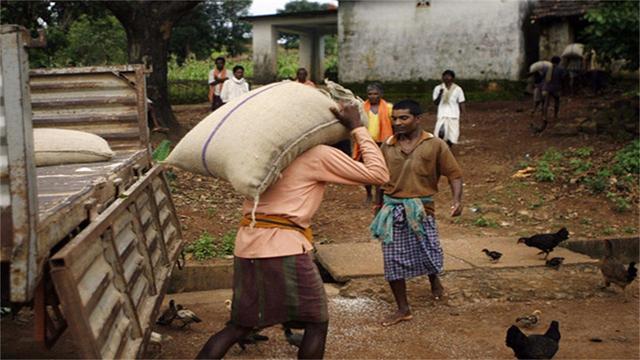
[399, 289]
[218, 345]
[437, 290]
[313, 341]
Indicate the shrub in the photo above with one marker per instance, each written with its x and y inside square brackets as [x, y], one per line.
[202, 249]
[629, 158]
[544, 172]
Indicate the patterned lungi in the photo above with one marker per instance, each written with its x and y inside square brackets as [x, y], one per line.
[278, 290]
[407, 255]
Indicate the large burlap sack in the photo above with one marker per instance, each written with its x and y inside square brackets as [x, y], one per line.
[61, 146]
[573, 50]
[251, 139]
[539, 65]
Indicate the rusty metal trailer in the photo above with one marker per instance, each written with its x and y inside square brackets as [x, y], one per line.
[91, 246]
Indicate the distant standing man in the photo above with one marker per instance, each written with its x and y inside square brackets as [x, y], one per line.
[551, 90]
[405, 222]
[301, 77]
[379, 115]
[236, 86]
[449, 98]
[217, 77]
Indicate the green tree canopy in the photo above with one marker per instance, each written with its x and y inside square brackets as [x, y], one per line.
[291, 40]
[613, 31]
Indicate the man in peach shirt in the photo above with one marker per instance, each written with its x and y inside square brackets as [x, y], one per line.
[275, 279]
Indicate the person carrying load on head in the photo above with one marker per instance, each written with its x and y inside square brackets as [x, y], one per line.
[275, 280]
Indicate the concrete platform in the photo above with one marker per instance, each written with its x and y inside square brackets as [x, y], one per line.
[353, 260]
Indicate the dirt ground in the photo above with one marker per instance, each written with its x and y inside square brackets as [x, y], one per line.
[470, 323]
[495, 138]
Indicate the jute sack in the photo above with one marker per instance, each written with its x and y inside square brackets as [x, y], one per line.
[539, 65]
[251, 139]
[62, 146]
[573, 50]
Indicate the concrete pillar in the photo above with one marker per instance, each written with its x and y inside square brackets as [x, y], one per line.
[264, 53]
[317, 73]
[305, 52]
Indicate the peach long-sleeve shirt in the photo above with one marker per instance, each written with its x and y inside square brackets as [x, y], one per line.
[298, 193]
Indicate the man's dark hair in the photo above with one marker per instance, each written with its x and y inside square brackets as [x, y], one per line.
[449, 72]
[408, 104]
[556, 60]
[238, 67]
[220, 58]
[375, 86]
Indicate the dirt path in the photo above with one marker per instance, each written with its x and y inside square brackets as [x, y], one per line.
[471, 323]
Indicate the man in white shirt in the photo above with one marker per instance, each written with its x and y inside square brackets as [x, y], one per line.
[449, 98]
[236, 86]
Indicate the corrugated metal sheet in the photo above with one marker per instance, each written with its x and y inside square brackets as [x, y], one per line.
[108, 101]
[112, 276]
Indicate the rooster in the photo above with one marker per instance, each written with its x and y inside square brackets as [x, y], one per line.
[534, 346]
[614, 271]
[545, 242]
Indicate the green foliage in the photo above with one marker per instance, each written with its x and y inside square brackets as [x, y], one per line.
[162, 151]
[207, 247]
[629, 158]
[291, 41]
[484, 222]
[212, 25]
[203, 248]
[630, 230]
[583, 152]
[608, 231]
[97, 41]
[620, 204]
[613, 31]
[288, 61]
[599, 182]
[544, 172]
[552, 155]
[580, 166]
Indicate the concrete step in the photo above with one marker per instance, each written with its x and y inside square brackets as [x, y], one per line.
[353, 260]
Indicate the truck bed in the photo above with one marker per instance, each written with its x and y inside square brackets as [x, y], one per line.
[67, 193]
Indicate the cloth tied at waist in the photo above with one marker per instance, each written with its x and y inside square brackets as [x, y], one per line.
[276, 222]
[382, 225]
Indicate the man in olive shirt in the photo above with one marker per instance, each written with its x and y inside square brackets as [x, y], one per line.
[405, 222]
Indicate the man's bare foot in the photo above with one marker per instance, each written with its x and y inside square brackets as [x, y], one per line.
[437, 290]
[397, 317]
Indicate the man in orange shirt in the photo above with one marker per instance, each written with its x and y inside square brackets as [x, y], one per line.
[275, 279]
[217, 77]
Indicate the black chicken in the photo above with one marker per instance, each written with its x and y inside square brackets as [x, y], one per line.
[614, 271]
[252, 338]
[545, 242]
[534, 346]
[493, 255]
[168, 315]
[555, 262]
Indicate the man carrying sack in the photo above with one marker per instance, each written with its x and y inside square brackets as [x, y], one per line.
[275, 279]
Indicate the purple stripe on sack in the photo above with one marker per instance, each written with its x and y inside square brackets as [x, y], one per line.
[215, 130]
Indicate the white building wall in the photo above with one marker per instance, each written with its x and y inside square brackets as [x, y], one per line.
[399, 41]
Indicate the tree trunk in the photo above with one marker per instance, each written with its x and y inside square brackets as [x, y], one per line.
[148, 25]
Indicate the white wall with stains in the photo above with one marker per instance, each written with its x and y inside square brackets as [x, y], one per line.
[406, 40]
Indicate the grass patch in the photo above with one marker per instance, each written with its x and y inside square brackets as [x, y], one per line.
[207, 247]
[609, 230]
[484, 222]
